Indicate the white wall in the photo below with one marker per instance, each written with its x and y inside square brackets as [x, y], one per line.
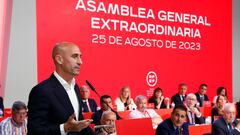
[22, 69]
[236, 50]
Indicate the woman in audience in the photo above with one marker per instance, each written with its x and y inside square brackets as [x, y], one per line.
[217, 110]
[124, 101]
[159, 100]
[220, 91]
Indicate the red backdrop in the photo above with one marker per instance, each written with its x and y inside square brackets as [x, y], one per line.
[169, 51]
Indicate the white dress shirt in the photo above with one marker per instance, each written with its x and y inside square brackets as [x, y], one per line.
[120, 104]
[72, 96]
[89, 108]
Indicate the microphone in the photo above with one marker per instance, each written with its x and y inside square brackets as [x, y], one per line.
[92, 88]
[90, 85]
[103, 126]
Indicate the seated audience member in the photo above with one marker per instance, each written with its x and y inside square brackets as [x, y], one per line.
[238, 109]
[201, 94]
[108, 119]
[224, 125]
[106, 105]
[194, 115]
[143, 112]
[88, 104]
[175, 125]
[217, 110]
[236, 130]
[124, 101]
[159, 100]
[220, 91]
[179, 98]
[1, 107]
[17, 124]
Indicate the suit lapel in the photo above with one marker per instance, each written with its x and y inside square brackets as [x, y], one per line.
[61, 94]
[77, 91]
[224, 125]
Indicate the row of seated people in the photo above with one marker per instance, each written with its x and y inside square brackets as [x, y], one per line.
[176, 124]
[193, 114]
[125, 102]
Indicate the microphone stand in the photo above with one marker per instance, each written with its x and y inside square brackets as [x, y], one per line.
[106, 103]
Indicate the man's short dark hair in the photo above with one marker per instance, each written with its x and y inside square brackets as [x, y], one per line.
[203, 84]
[179, 107]
[104, 97]
[182, 84]
[18, 105]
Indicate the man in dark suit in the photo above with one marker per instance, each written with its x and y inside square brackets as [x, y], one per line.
[236, 130]
[201, 94]
[106, 105]
[175, 125]
[194, 116]
[88, 104]
[54, 105]
[1, 107]
[179, 98]
[224, 125]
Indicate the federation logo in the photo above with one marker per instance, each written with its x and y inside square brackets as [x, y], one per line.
[151, 78]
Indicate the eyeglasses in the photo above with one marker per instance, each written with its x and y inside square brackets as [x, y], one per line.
[21, 113]
[193, 99]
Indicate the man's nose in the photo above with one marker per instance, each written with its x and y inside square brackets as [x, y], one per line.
[79, 61]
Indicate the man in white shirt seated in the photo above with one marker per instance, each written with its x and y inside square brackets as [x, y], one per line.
[143, 112]
[107, 126]
[17, 124]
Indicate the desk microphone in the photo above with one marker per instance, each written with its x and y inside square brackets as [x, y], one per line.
[103, 126]
[94, 90]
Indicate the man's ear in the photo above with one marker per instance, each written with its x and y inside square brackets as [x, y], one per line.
[59, 59]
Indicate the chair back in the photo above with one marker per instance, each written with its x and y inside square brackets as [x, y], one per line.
[134, 127]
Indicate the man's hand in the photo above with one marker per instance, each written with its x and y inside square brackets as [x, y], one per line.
[195, 111]
[76, 126]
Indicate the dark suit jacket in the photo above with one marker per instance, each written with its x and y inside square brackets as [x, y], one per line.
[177, 99]
[235, 132]
[1, 105]
[166, 128]
[97, 116]
[219, 127]
[238, 109]
[153, 100]
[214, 112]
[49, 106]
[199, 99]
[92, 104]
[199, 120]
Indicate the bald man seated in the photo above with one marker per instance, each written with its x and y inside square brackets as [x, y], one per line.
[107, 124]
[226, 125]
